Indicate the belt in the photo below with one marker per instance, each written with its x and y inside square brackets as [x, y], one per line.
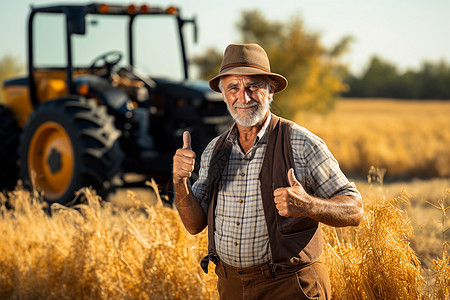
[268, 270]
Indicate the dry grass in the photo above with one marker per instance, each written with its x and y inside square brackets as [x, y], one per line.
[427, 239]
[98, 250]
[442, 268]
[408, 138]
[377, 259]
[374, 261]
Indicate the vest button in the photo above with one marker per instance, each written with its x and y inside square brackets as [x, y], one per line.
[237, 223]
[240, 200]
[242, 174]
[235, 243]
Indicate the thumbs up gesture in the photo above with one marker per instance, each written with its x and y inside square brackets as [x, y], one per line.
[187, 140]
[292, 201]
[183, 160]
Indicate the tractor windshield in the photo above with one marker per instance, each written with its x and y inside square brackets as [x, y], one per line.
[49, 41]
[104, 33]
[156, 48]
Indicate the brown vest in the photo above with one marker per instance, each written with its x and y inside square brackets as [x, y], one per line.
[293, 241]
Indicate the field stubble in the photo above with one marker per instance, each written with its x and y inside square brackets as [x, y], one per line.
[132, 250]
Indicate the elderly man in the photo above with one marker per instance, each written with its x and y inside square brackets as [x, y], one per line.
[263, 188]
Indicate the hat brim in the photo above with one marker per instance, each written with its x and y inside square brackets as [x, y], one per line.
[248, 71]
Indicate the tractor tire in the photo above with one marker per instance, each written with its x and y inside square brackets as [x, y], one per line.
[70, 143]
[9, 142]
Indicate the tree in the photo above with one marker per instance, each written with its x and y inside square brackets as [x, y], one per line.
[314, 72]
[208, 63]
[9, 67]
[433, 80]
[379, 78]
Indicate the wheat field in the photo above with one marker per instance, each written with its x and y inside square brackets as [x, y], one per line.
[134, 247]
[407, 138]
[99, 250]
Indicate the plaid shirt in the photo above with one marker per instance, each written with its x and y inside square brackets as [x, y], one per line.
[241, 235]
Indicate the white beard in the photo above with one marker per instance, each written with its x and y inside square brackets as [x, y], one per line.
[255, 116]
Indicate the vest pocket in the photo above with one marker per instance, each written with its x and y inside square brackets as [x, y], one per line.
[300, 248]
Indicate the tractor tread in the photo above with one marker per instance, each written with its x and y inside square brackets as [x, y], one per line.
[97, 153]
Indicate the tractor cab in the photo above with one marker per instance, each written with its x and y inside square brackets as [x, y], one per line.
[107, 93]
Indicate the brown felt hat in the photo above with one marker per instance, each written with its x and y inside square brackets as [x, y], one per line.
[246, 59]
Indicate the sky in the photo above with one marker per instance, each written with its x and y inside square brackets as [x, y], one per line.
[403, 32]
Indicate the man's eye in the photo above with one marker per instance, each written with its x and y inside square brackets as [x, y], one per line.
[253, 88]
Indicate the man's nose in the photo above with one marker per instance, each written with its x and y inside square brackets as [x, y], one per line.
[244, 96]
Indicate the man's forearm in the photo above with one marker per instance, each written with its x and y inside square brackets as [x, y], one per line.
[189, 209]
[338, 211]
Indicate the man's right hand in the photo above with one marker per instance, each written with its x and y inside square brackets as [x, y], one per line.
[189, 209]
[183, 160]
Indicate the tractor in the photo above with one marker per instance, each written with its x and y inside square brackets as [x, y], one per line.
[87, 115]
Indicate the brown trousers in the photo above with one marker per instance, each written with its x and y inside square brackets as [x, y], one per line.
[261, 282]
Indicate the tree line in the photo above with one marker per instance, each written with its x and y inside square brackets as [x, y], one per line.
[383, 79]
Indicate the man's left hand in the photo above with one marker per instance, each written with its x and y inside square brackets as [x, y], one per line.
[292, 201]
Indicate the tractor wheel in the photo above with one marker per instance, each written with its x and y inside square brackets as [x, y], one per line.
[9, 142]
[69, 144]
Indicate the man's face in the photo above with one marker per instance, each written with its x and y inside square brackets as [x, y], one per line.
[247, 98]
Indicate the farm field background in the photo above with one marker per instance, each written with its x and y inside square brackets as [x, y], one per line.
[132, 247]
[409, 141]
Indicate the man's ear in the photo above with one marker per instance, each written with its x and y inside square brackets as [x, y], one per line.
[271, 90]
[271, 93]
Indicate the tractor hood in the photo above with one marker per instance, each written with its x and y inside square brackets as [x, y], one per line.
[187, 89]
[192, 102]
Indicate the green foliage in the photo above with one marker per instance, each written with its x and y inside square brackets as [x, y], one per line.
[382, 79]
[314, 72]
[9, 67]
[208, 63]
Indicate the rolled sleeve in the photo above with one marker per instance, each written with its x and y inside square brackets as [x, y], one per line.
[314, 161]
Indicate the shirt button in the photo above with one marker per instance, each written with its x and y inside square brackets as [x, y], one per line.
[235, 243]
[240, 200]
[242, 174]
[237, 223]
